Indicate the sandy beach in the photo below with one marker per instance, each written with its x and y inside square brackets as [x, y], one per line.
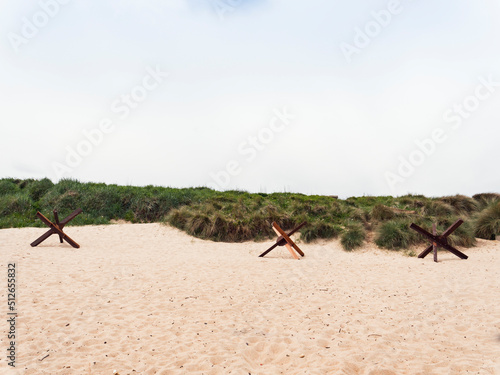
[149, 299]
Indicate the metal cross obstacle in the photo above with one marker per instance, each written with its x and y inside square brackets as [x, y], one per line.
[439, 241]
[57, 228]
[285, 240]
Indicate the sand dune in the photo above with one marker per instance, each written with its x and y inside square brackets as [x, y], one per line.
[148, 299]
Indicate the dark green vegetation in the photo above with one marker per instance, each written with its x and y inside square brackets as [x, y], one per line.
[488, 222]
[235, 216]
[353, 236]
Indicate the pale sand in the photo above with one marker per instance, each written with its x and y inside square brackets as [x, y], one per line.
[149, 299]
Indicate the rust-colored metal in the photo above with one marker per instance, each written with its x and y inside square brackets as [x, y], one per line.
[434, 244]
[285, 240]
[57, 228]
[439, 241]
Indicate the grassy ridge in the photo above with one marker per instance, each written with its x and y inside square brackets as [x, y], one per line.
[235, 216]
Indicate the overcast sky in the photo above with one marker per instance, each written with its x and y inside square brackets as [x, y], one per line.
[319, 96]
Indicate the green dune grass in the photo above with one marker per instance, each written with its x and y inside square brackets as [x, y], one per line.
[236, 216]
